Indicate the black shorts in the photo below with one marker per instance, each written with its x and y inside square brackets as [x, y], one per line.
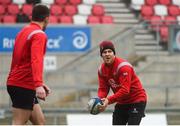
[130, 114]
[22, 97]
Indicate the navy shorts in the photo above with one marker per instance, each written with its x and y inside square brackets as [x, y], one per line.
[22, 98]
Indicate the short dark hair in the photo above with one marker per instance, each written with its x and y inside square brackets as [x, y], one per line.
[40, 12]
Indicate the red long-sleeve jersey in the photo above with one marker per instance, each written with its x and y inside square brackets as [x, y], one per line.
[122, 79]
[27, 59]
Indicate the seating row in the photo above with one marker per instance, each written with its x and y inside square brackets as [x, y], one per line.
[137, 4]
[69, 9]
[49, 2]
[65, 19]
[160, 14]
[159, 10]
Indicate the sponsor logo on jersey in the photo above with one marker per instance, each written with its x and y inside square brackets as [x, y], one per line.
[113, 83]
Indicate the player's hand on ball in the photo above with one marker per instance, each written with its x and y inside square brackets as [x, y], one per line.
[93, 105]
[105, 104]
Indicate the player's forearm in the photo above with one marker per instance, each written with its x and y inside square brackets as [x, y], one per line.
[37, 71]
[123, 92]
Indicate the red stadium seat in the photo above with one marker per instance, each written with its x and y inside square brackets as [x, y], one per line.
[53, 19]
[160, 10]
[147, 12]
[56, 9]
[61, 2]
[47, 2]
[156, 22]
[169, 20]
[93, 19]
[19, 2]
[5, 2]
[2, 10]
[107, 20]
[79, 19]
[27, 9]
[173, 10]
[176, 2]
[1, 18]
[66, 19]
[75, 2]
[88, 2]
[165, 2]
[97, 10]
[136, 4]
[13, 9]
[151, 2]
[164, 33]
[70, 10]
[9, 19]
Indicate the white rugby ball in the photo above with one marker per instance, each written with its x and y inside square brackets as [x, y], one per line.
[93, 104]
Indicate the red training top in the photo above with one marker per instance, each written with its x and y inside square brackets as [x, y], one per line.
[122, 79]
[27, 60]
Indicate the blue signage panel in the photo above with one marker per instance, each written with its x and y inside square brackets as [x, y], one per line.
[60, 39]
[7, 37]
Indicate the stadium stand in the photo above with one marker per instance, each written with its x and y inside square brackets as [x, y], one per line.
[161, 13]
[71, 11]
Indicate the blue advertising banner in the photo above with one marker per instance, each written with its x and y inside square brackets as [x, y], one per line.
[60, 39]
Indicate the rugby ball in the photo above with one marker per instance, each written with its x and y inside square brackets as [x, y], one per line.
[93, 104]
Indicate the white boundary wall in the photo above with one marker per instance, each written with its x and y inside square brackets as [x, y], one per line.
[158, 119]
